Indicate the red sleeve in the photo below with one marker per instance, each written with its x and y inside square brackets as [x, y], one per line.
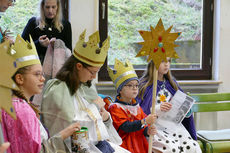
[118, 115]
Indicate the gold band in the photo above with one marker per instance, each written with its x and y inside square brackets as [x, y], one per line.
[84, 58]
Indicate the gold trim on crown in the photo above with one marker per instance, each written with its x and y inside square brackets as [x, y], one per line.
[121, 72]
[24, 53]
[89, 52]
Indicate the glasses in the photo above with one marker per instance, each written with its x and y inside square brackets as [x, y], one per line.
[38, 74]
[132, 86]
[91, 72]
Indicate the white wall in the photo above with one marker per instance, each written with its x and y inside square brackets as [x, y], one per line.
[224, 60]
[221, 66]
[83, 15]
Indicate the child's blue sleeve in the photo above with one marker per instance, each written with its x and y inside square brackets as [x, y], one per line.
[1, 37]
[131, 126]
[104, 96]
[189, 113]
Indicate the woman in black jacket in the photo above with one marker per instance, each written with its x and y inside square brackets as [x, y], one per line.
[48, 27]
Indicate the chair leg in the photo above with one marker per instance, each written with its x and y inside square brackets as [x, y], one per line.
[202, 146]
[209, 148]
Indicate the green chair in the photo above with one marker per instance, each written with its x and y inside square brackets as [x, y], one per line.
[217, 141]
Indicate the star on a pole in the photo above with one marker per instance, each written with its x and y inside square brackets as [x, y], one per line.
[158, 44]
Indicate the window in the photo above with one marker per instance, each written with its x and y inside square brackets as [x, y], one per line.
[121, 19]
[65, 9]
[16, 17]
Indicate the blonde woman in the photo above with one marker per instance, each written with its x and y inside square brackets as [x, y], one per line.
[48, 27]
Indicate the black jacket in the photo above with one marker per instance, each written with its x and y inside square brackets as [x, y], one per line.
[49, 30]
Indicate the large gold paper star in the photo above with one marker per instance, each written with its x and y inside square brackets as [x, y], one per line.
[158, 44]
[7, 68]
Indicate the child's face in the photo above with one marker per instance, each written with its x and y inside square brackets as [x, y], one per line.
[32, 81]
[130, 90]
[4, 4]
[87, 73]
[164, 67]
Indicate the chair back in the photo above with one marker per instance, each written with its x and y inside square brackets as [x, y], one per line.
[211, 102]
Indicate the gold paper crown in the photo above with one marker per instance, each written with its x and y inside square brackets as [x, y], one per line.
[24, 53]
[89, 52]
[122, 72]
[7, 68]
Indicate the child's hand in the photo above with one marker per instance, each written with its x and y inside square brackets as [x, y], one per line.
[4, 146]
[150, 119]
[10, 39]
[104, 114]
[99, 101]
[152, 130]
[70, 130]
[165, 106]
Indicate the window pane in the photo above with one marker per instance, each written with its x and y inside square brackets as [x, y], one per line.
[126, 17]
[16, 17]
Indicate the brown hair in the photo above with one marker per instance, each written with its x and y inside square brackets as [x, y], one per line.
[69, 74]
[57, 19]
[147, 79]
[20, 71]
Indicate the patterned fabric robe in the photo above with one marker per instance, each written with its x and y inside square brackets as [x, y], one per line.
[170, 137]
[122, 112]
[60, 109]
[26, 134]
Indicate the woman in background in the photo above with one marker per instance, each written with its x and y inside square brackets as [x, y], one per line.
[48, 27]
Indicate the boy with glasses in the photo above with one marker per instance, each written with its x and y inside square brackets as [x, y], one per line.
[129, 119]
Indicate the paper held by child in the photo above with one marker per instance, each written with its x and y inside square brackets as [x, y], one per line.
[181, 104]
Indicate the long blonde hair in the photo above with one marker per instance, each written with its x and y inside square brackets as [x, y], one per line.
[57, 19]
[147, 79]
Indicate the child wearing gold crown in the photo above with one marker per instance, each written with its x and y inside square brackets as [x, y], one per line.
[26, 133]
[65, 98]
[128, 118]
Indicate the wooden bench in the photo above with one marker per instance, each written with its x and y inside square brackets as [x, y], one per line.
[216, 141]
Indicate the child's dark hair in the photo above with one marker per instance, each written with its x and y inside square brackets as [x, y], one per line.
[16, 92]
[147, 79]
[68, 74]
